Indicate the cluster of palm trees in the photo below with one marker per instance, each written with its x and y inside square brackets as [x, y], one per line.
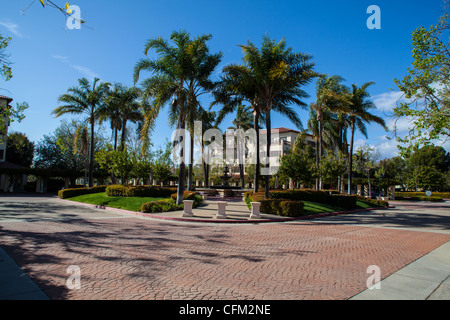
[101, 101]
[338, 109]
[269, 79]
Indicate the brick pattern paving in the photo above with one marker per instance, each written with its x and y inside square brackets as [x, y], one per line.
[132, 258]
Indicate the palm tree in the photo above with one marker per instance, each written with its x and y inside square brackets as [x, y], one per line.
[326, 138]
[207, 118]
[280, 74]
[244, 121]
[330, 99]
[180, 75]
[87, 98]
[359, 115]
[130, 108]
[81, 146]
[238, 84]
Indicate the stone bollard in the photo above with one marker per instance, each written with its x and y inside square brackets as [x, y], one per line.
[255, 210]
[188, 208]
[221, 210]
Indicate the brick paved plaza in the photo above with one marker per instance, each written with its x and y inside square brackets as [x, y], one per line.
[123, 256]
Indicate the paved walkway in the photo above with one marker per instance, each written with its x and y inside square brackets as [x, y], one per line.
[124, 256]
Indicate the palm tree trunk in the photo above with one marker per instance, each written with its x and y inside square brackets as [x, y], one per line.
[91, 156]
[241, 175]
[350, 158]
[115, 138]
[182, 173]
[124, 129]
[269, 143]
[317, 162]
[191, 163]
[319, 121]
[256, 173]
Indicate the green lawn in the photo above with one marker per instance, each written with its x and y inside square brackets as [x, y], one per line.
[317, 208]
[126, 203]
[135, 203]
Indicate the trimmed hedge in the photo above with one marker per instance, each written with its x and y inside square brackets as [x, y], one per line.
[374, 202]
[343, 201]
[420, 198]
[70, 193]
[333, 198]
[400, 195]
[139, 191]
[160, 206]
[281, 207]
[167, 205]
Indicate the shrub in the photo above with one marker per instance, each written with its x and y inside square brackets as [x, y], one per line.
[445, 195]
[160, 206]
[373, 202]
[139, 191]
[281, 207]
[70, 193]
[145, 191]
[116, 191]
[343, 201]
[167, 205]
[302, 195]
[189, 195]
[420, 198]
[290, 208]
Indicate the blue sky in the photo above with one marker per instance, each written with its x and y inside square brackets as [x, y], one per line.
[48, 59]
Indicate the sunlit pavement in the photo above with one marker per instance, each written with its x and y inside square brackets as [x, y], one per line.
[123, 256]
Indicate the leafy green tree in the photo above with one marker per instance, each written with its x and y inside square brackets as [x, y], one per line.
[57, 150]
[86, 99]
[20, 150]
[431, 156]
[180, 74]
[117, 162]
[426, 87]
[162, 166]
[5, 64]
[366, 160]
[332, 166]
[10, 115]
[429, 178]
[299, 164]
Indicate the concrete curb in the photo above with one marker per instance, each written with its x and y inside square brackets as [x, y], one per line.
[228, 221]
[15, 284]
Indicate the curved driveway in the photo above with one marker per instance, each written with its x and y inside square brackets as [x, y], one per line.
[124, 256]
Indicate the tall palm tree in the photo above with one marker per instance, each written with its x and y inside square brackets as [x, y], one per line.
[207, 118]
[280, 74]
[359, 115]
[243, 120]
[180, 74]
[323, 140]
[238, 84]
[330, 98]
[86, 99]
[126, 98]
